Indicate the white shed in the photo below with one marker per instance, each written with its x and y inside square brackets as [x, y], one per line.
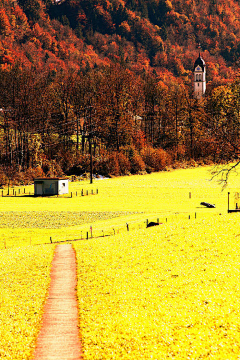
[50, 186]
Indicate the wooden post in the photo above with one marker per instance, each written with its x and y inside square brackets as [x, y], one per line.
[228, 200]
[97, 191]
[50, 239]
[71, 194]
[87, 236]
[82, 192]
[87, 192]
[19, 191]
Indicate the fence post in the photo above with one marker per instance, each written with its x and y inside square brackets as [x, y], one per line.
[87, 192]
[82, 192]
[127, 226]
[97, 191]
[50, 239]
[87, 235]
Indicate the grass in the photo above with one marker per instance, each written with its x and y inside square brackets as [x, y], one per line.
[133, 200]
[164, 292]
[24, 279]
[169, 292]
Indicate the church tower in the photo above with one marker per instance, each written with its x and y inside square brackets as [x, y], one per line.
[199, 78]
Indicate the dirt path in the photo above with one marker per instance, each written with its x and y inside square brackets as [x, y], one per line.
[59, 336]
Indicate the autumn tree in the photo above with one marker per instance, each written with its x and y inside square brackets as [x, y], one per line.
[116, 107]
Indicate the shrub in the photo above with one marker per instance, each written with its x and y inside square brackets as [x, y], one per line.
[124, 164]
[136, 162]
[107, 164]
[156, 159]
[81, 166]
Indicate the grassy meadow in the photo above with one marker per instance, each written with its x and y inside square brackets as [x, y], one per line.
[168, 292]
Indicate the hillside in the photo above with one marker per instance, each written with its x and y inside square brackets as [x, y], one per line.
[114, 78]
[160, 34]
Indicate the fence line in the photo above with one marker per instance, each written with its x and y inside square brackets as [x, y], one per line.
[97, 233]
[18, 192]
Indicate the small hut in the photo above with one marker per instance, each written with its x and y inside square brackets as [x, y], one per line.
[50, 186]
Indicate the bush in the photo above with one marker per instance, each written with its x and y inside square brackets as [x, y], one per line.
[124, 164]
[156, 159]
[137, 164]
[81, 166]
[107, 164]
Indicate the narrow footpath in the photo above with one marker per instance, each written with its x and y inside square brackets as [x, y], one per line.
[59, 336]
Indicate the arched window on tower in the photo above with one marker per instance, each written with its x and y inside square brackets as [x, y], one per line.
[196, 77]
[200, 77]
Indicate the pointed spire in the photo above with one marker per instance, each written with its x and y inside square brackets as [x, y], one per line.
[199, 47]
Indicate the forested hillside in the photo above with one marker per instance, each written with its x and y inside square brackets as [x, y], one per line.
[115, 77]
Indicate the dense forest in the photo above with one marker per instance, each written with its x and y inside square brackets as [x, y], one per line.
[111, 81]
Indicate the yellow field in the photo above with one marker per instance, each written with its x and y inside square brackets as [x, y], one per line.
[170, 292]
[24, 279]
[34, 220]
[165, 292]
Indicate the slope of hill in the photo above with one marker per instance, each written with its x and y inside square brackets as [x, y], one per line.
[121, 70]
[159, 34]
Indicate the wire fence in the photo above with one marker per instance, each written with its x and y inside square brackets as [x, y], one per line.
[89, 232]
[15, 192]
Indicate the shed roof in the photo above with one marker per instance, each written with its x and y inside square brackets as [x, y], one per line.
[52, 178]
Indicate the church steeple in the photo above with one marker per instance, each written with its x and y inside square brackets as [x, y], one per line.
[199, 77]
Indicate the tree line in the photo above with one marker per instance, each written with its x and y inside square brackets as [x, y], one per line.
[52, 121]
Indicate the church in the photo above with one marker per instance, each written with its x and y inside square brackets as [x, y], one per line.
[199, 78]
